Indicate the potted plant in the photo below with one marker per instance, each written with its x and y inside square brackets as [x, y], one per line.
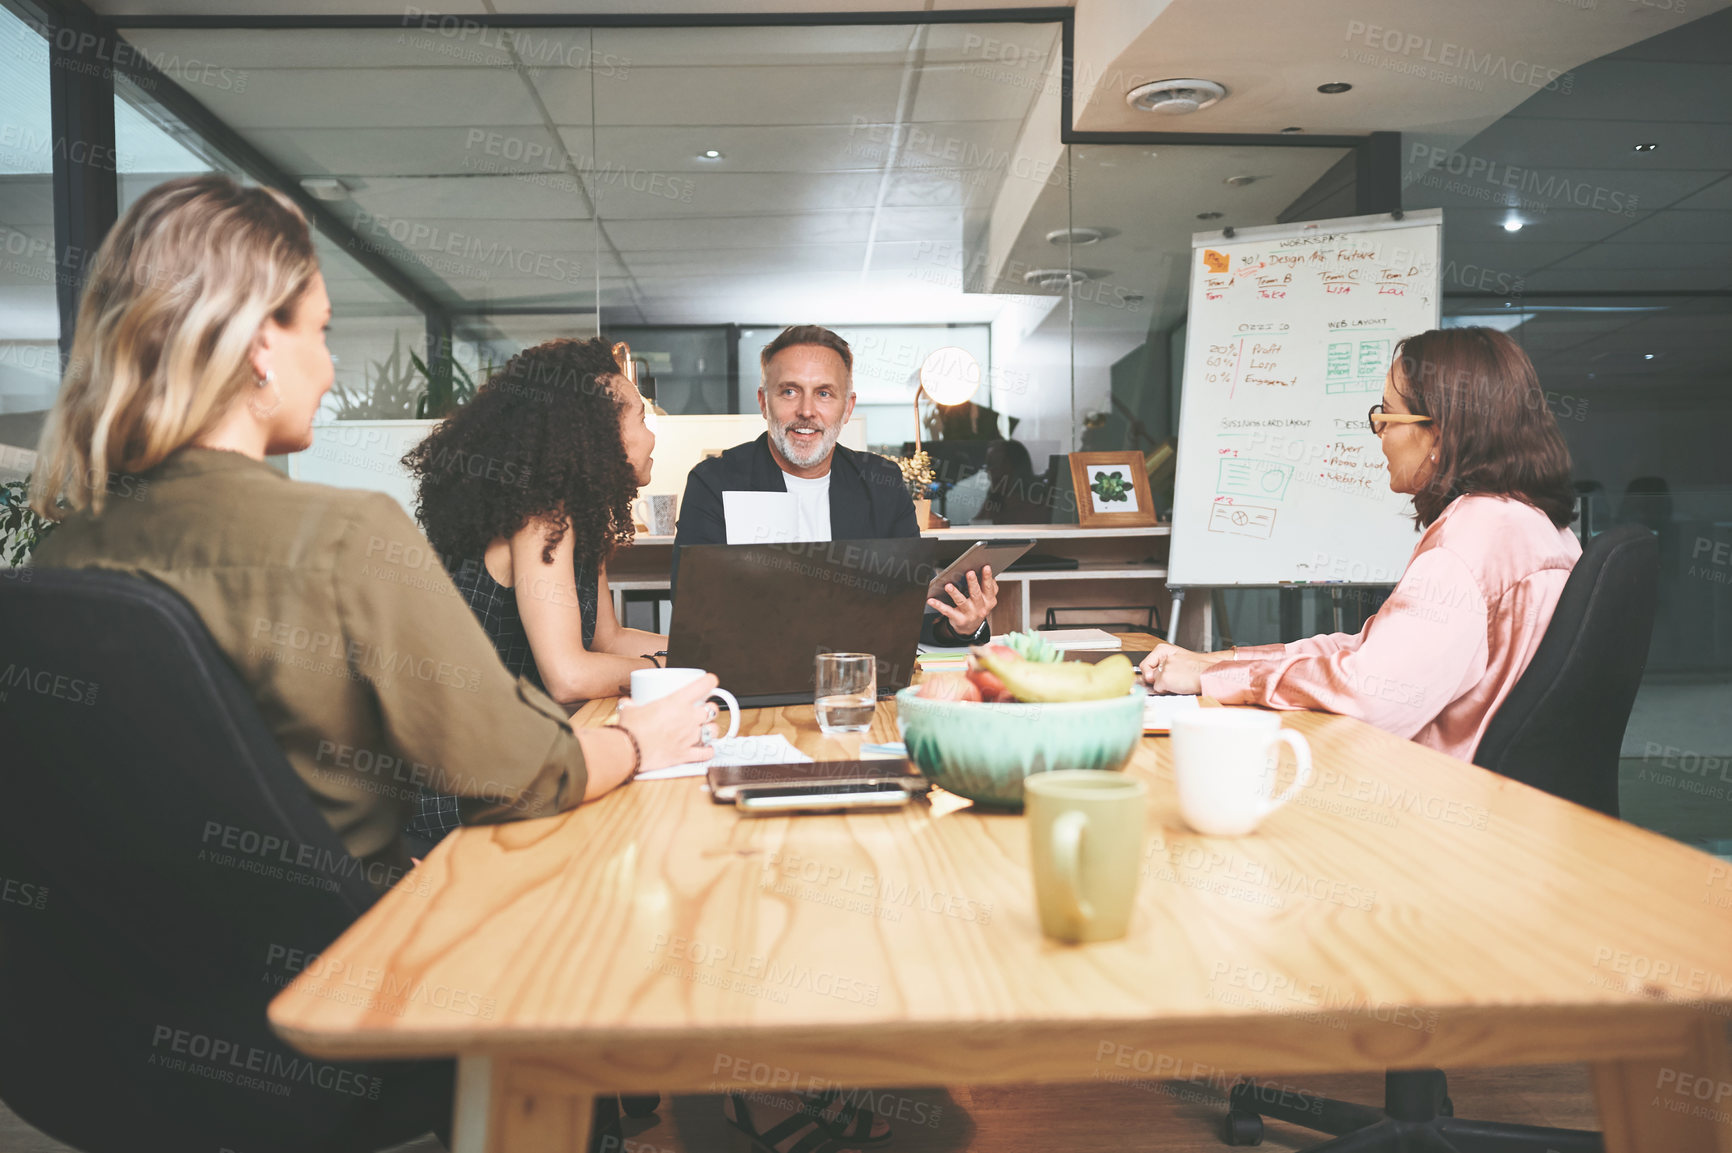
[21, 530]
[917, 475]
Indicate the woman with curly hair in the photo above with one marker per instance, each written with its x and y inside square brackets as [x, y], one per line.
[525, 492]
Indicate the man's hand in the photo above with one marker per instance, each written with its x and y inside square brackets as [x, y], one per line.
[968, 612]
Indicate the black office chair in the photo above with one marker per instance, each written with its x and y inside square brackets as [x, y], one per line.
[162, 872]
[1560, 729]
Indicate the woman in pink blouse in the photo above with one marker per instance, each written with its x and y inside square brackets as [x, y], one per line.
[1465, 428]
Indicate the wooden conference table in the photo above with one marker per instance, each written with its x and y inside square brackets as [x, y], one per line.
[1408, 910]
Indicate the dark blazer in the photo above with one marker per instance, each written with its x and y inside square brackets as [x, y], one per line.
[868, 501]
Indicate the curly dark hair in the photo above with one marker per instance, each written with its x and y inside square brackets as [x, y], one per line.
[541, 440]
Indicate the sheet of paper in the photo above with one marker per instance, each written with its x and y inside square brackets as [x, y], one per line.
[760, 517]
[1089, 640]
[770, 749]
[1158, 712]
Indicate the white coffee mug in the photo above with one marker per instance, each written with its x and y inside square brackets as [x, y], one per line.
[1226, 761]
[653, 684]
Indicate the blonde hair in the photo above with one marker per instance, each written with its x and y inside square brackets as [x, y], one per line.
[165, 330]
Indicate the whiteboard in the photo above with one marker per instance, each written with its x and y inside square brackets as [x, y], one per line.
[1291, 329]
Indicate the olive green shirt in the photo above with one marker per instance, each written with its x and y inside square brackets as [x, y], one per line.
[365, 662]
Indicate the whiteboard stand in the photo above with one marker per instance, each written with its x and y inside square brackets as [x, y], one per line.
[1206, 625]
[1173, 616]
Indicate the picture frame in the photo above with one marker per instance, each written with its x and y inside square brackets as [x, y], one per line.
[1102, 480]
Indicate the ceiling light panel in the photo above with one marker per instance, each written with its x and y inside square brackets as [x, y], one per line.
[753, 231]
[477, 150]
[351, 98]
[317, 48]
[791, 94]
[708, 48]
[480, 198]
[651, 195]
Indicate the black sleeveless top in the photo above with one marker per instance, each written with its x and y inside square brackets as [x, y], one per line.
[495, 606]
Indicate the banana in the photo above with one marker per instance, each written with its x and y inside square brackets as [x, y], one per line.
[1034, 681]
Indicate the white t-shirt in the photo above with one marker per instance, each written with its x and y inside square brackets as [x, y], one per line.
[811, 506]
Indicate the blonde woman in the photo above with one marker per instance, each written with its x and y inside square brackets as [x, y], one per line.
[200, 349]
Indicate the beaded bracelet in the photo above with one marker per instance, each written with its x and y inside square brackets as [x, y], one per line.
[636, 750]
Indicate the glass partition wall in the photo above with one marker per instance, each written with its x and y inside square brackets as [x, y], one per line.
[29, 312]
[1599, 235]
[692, 190]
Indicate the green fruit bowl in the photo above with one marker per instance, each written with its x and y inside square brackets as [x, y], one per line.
[983, 751]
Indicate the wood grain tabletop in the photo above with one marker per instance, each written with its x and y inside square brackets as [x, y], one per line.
[1407, 909]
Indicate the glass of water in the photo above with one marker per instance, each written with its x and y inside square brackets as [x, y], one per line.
[847, 693]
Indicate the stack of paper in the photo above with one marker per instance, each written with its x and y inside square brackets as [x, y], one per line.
[942, 661]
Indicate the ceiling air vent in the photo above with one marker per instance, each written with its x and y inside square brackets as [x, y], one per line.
[1175, 97]
[1054, 277]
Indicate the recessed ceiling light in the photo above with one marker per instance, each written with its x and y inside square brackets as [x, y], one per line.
[1078, 236]
[1512, 225]
[1239, 181]
[1646, 147]
[325, 188]
[1054, 277]
[1647, 356]
[709, 154]
[1334, 89]
[1210, 215]
[1175, 97]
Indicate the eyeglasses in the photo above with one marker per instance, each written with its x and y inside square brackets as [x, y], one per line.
[1380, 420]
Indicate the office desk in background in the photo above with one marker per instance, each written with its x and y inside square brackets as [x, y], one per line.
[1116, 566]
[1408, 910]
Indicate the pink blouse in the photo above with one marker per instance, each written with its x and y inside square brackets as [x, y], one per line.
[1437, 659]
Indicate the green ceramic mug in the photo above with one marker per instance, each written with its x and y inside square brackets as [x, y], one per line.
[1085, 831]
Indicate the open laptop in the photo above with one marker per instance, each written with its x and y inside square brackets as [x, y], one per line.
[757, 614]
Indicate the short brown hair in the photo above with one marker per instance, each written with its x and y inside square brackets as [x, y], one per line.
[1495, 434]
[809, 334]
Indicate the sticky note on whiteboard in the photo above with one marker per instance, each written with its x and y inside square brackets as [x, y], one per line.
[1215, 261]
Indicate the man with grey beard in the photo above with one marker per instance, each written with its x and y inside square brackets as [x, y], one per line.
[807, 396]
